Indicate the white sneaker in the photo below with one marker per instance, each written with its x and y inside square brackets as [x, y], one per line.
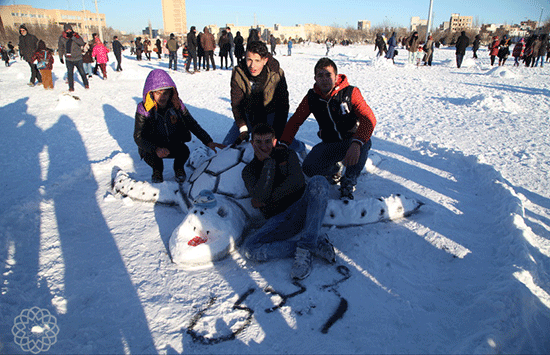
[301, 268]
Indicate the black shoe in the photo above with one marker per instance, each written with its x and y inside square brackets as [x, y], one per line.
[335, 178]
[346, 192]
[180, 175]
[157, 177]
[325, 250]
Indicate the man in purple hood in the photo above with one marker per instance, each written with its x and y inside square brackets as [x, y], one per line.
[163, 125]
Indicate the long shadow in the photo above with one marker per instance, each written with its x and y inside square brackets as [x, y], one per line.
[21, 144]
[103, 310]
[514, 89]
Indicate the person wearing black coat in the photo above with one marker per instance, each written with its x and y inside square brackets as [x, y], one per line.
[461, 44]
[239, 47]
[475, 45]
[192, 47]
[117, 51]
[28, 44]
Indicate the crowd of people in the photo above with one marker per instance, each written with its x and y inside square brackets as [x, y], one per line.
[73, 51]
[531, 51]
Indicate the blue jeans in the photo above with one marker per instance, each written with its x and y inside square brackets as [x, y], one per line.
[459, 59]
[173, 58]
[323, 159]
[87, 68]
[298, 146]
[297, 226]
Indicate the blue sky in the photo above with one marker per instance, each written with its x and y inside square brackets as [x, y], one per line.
[133, 15]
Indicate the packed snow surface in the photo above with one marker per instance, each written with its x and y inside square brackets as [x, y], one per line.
[468, 273]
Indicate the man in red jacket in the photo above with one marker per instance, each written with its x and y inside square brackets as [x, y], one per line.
[346, 124]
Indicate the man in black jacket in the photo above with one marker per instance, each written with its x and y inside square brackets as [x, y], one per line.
[117, 50]
[28, 44]
[192, 49]
[461, 44]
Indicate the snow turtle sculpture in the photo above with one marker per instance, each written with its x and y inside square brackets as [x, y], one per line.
[210, 232]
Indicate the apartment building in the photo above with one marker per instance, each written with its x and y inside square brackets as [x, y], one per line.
[174, 17]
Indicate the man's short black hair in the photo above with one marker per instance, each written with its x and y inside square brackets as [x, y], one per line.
[323, 63]
[258, 47]
[261, 129]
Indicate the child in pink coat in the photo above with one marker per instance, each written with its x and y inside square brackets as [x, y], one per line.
[100, 54]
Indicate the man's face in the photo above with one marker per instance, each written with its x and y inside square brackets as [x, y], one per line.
[255, 63]
[23, 32]
[161, 97]
[325, 78]
[263, 145]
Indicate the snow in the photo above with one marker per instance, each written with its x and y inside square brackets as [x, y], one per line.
[468, 273]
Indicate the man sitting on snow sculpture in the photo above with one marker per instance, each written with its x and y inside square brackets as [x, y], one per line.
[346, 124]
[294, 210]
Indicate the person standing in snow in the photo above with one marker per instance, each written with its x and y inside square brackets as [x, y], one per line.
[380, 44]
[259, 94]
[100, 54]
[289, 45]
[392, 45]
[542, 50]
[28, 44]
[493, 49]
[517, 53]
[475, 45]
[163, 125]
[345, 122]
[461, 44]
[292, 208]
[192, 50]
[429, 51]
[225, 48]
[173, 47]
[158, 45]
[503, 50]
[239, 47]
[273, 44]
[231, 45]
[44, 54]
[117, 51]
[209, 44]
[70, 46]
[412, 47]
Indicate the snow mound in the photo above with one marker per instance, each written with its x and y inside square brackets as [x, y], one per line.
[67, 102]
[495, 103]
[502, 72]
[382, 62]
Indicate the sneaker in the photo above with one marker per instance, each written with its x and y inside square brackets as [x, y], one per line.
[157, 177]
[71, 90]
[301, 268]
[325, 250]
[346, 192]
[180, 175]
[31, 84]
[86, 87]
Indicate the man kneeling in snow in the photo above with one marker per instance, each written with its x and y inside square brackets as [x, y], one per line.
[346, 124]
[294, 210]
[163, 125]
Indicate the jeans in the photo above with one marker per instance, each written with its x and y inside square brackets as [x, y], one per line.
[87, 68]
[180, 154]
[412, 57]
[323, 159]
[173, 60]
[297, 226]
[231, 55]
[70, 72]
[192, 56]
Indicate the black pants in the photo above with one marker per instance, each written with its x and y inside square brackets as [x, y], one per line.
[192, 56]
[35, 73]
[179, 153]
[118, 60]
[70, 72]
[209, 58]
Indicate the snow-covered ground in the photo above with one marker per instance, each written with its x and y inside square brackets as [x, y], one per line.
[468, 273]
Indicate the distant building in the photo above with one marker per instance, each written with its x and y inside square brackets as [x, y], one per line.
[363, 25]
[417, 24]
[82, 21]
[174, 16]
[459, 23]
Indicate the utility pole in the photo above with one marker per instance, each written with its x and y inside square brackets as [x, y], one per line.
[86, 21]
[540, 18]
[99, 32]
[428, 29]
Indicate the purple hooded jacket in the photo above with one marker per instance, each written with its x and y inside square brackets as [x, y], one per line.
[153, 130]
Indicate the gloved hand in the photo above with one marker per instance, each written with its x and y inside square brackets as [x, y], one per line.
[61, 60]
[243, 137]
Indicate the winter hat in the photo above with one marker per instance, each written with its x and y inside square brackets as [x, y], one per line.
[205, 199]
[41, 45]
[67, 27]
[171, 35]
